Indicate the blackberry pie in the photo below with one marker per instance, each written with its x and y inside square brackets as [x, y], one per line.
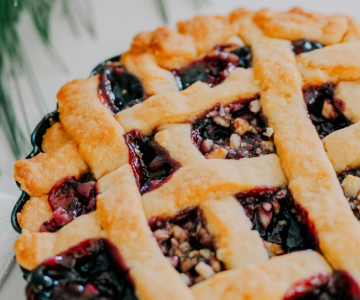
[220, 160]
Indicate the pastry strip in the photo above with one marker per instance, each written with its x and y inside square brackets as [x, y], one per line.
[91, 125]
[198, 182]
[266, 280]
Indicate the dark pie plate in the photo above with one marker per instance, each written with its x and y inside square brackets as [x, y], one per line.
[36, 142]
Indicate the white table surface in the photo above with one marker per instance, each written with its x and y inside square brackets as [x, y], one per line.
[116, 22]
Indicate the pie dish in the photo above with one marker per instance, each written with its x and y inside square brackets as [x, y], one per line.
[216, 161]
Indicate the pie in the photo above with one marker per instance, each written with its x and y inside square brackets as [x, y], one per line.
[217, 161]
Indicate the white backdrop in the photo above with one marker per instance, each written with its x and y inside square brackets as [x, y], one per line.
[116, 22]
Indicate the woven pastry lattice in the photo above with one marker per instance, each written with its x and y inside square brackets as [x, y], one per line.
[203, 165]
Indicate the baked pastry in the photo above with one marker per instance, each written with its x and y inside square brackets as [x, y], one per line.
[223, 156]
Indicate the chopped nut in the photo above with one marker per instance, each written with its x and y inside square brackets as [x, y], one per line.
[351, 186]
[235, 40]
[187, 264]
[328, 110]
[205, 253]
[222, 111]
[269, 132]
[174, 243]
[258, 151]
[221, 254]
[185, 278]
[255, 106]
[241, 126]
[222, 121]
[217, 154]
[273, 249]
[179, 233]
[215, 264]
[204, 270]
[184, 246]
[268, 146]
[161, 235]
[235, 141]
[193, 253]
[206, 145]
[276, 206]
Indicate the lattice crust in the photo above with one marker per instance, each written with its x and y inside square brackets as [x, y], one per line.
[92, 140]
[237, 245]
[92, 126]
[61, 158]
[314, 185]
[32, 248]
[334, 63]
[188, 105]
[265, 280]
[196, 183]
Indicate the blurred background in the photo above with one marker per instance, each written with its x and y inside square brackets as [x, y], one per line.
[45, 43]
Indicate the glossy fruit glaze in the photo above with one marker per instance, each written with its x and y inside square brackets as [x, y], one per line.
[152, 164]
[223, 128]
[303, 46]
[188, 245]
[316, 98]
[86, 271]
[69, 199]
[279, 220]
[215, 66]
[325, 286]
[118, 89]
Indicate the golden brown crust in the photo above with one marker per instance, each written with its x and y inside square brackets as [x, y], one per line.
[184, 107]
[91, 125]
[198, 182]
[176, 139]
[35, 212]
[39, 174]
[343, 148]
[155, 80]
[237, 245]
[349, 93]
[54, 138]
[312, 179]
[207, 31]
[32, 248]
[121, 215]
[297, 24]
[266, 280]
[334, 63]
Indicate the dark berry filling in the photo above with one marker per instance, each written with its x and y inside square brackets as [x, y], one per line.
[353, 195]
[324, 286]
[118, 89]
[325, 111]
[188, 245]
[281, 224]
[303, 46]
[151, 163]
[215, 66]
[84, 272]
[69, 199]
[233, 132]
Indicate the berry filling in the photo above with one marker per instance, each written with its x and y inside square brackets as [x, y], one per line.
[70, 199]
[325, 111]
[84, 272]
[281, 224]
[350, 182]
[325, 286]
[233, 132]
[303, 46]
[188, 245]
[118, 89]
[215, 66]
[152, 164]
